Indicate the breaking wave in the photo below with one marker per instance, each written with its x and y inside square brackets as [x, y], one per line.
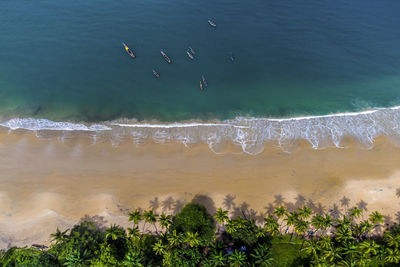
[251, 134]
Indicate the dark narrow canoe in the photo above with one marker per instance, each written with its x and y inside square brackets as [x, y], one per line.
[165, 56]
[155, 73]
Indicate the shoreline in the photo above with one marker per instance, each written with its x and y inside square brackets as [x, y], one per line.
[45, 183]
[252, 135]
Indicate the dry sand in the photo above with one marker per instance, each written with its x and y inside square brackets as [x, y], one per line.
[46, 183]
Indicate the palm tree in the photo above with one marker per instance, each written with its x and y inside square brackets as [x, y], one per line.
[231, 227]
[164, 220]
[376, 217]
[75, 259]
[260, 232]
[392, 239]
[218, 259]
[311, 248]
[133, 258]
[301, 227]
[237, 258]
[351, 251]
[135, 216]
[262, 257]
[328, 221]
[369, 247]
[192, 239]
[331, 255]
[150, 217]
[318, 222]
[234, 225]
[114, 232]
[134, 232]
[59, 236]
[392, 255]
[343, 234]
[221, 216]
[291, 219]
[324, 242]
[305, 212]
[355, 212]
[174, 239]
[159, 248]
[280, 212]
[362, 229]
[345, 222]
[271, 225]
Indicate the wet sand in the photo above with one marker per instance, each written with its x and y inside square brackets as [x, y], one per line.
[46, 183]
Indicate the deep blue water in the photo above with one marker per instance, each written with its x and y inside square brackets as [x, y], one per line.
[63, 60]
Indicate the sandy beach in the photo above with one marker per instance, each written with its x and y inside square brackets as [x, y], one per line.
[46, 183]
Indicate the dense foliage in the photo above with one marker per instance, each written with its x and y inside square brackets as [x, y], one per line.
[190, 238]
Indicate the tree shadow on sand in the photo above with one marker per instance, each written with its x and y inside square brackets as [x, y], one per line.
[97, 220]
[345, 202]
[229, 202]
[398, 192]
[336, 210]
[206, 201]
[279, 200]
[362, 205]
[154, 204]
[300, 201]
[168, 204]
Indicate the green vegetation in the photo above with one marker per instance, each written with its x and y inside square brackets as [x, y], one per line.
[193, 237]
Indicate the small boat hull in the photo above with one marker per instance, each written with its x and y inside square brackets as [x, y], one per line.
[212, 23]
[165, 57]
[189, 55]
[204, 80]
[201, 86]
[129, 51]
[155, 73]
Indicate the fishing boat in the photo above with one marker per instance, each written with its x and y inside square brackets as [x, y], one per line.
[189, 55]
[232, 57]
[201, 86]
[165, 57]
[204, 80]
[128, 50]
[191, 50]
[212, 23]
[155, 73]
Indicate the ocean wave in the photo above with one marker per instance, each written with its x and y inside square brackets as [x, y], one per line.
[44, 124]
[251, 134]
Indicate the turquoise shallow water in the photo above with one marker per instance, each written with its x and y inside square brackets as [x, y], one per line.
[64, 60]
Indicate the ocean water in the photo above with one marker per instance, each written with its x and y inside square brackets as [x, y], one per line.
[63, 67]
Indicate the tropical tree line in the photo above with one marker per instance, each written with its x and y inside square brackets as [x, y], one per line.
[193, 237]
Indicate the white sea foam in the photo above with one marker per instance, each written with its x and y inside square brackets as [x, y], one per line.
[44, 124]
[250, 134]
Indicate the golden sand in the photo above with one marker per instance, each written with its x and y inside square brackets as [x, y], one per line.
[46, 183]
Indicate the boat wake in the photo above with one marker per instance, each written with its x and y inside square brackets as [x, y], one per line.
[251, 134]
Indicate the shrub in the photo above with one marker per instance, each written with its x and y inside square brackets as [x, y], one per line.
[194, 218]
